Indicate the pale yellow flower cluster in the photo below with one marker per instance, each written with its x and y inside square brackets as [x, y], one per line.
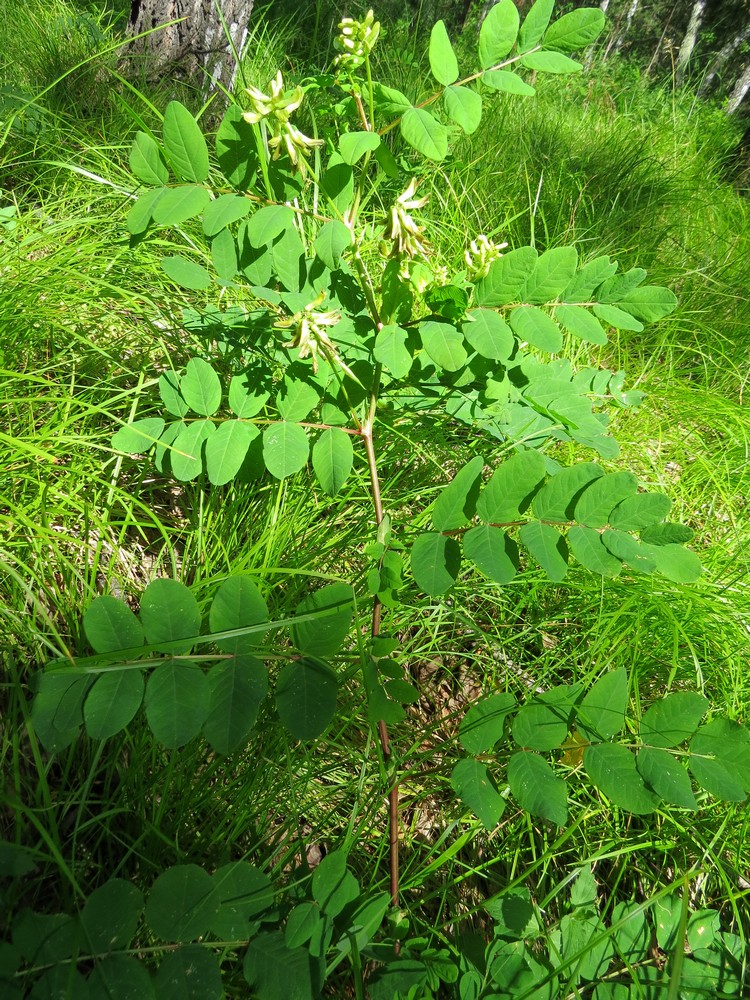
[274, 109]
[355, 41]
[482, 251]
[310, 335]
[407, 237]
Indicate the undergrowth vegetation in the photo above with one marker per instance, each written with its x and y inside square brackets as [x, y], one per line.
[270, 825]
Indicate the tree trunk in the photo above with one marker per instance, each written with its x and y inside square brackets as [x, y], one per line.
[199, 44]
[721, 59]
[740, 90]
[688, 42]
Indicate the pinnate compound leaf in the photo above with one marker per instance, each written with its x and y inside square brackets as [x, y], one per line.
[110, 624]
[537, 788]
[200, 387]
[551, 62]
[189, 973]
[182, 903]
[113, 700]
[667, 776]
[238, 687]
[498, 33]
[306, 697]
[536, 327]
[223, 211]
[464, 107]
[492, 552]
[179, 204]
[640, 511]
[541, 725]
[557, 500]
[507, 82]
[484, 724]
[184, 144]
[177, 701]
[506, 277]
[244, 892]
[545, 544]
[110, 916]
[331, 242]
[435, 562]
[600, 497]
[238, 604]
[588, 548]
[612, 769]
[552, 273]
[170, 612]
[574, 30]
[138, 437]
[186, 273]
[444, 344]
[535, 24]
[268, 223]
[354, 145]
[332, 459]
[146, 161]
[580, 323]
[489, 334]
[391, 352]
[443, 62]
[425, 133]
[226, 450]
[456, 504]
[285, 449]
[601, 714]
[674, 719]
[720, 759]
[186, 455]
[472, 783]
[512, 487]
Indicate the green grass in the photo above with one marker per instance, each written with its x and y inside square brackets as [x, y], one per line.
[87, 325]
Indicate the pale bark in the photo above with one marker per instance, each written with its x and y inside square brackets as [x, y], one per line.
[632, 11]
[722, 58]
[740, 90]
[688, 42]
[198, 44]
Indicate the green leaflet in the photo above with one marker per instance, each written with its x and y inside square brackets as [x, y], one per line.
[244, 892]
[617, 318]
[649, 303]
[146, 160]
[640, 511]
[332, 458]
[587, 546]
[186, 273]
[531, 324]
[306, 697]
[443, 62]
[557, 500]
[547, 546]
[245, 400]
[551, 62]
[444, 344]
[552, 273]
[600, 497]
[177, 700]
[354, 145]
[667, 776]
[237, 688]
[612, 769]
[112, 702]
[331, 242]
[267, 223]
[224, 255]
[674, 719]
[492, 552]
[235, 149]
[177, 205]
[535, 24]
[391, 351]
[169, 613]
[182, 903]
[435, 562]
[484, 724]
[601, 714]
[109, 624]
[574, 30]
[456, 504]
[507, 82]
[489, 334]
[324, 634]
[184, 144]
[512, 487]
[226, 450]
[297, 396]
[537, 788]
[110, 915]
[498, 33]
[425, 133]
[720, 759]
[188, 449]
[541, 725]
[472, 783]
[200, 387]
[285, 449]
[223, 211]
[238, 604]
[464, 107]
[506, 277]
[580, 323]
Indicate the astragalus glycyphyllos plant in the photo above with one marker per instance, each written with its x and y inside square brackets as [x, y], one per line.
[334, 319]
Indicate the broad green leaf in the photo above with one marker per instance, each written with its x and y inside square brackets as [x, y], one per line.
[244, 892]
[182, 902]
[667, 776]
[633, 939]
[325, 634]
[120, 976]
[364, 917]
[601, 714]
[177, 703]
[557, 499]
[720, 759]
[674, 719]
[425, 133]
[472, 783]
[444, 344]
[297, 398]
[186, 456]
[600, 497]
[667, 918]
[332, 459]
[112, 702]
[535, 24]
[541, 725]
[537, 328]
[640, 511]
[545, 544]
[354, 145]
[57, 711]
[223, 211]
[170, 612]
[649, 303]
[391, 352]
[612, 769]
[179, 204]
[303, 921]
[226, 450]
[584, 891]
[15, 862]
[57, 983]
[489, 334]
[190, 973]
[507, 82]
[44, 938]
[138, 437]
[492, 552]
[110, 624]
[704, 930]
[574, 939]
[267, 223]
[306, 697]
[255, 264]
[285, 449]
[552, 273]
[588, 279]
[333, 885]
[146, 161]
[580, 323]
[620, 285]
[331, 242]
[236, 150]
[484, 724]
[667, 534]
[456, 504]
[392, 102]
[575, 30]
[506, 277]
[464, 107]
[677, 563]
[617, 318]
[587, 546]
[288, 255]
[338, 182]
[280, 973]
[238, 604]
[186, 273]
[245, 400]
[435, 562]
[550, 62]
[443, 62]
[498, 33]
[237, 687]
[110, 916]
[184, 144]
[169, 390]
[139, 216]
[512, 487]
[200, 387]
[537, 788]
[629, 550]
